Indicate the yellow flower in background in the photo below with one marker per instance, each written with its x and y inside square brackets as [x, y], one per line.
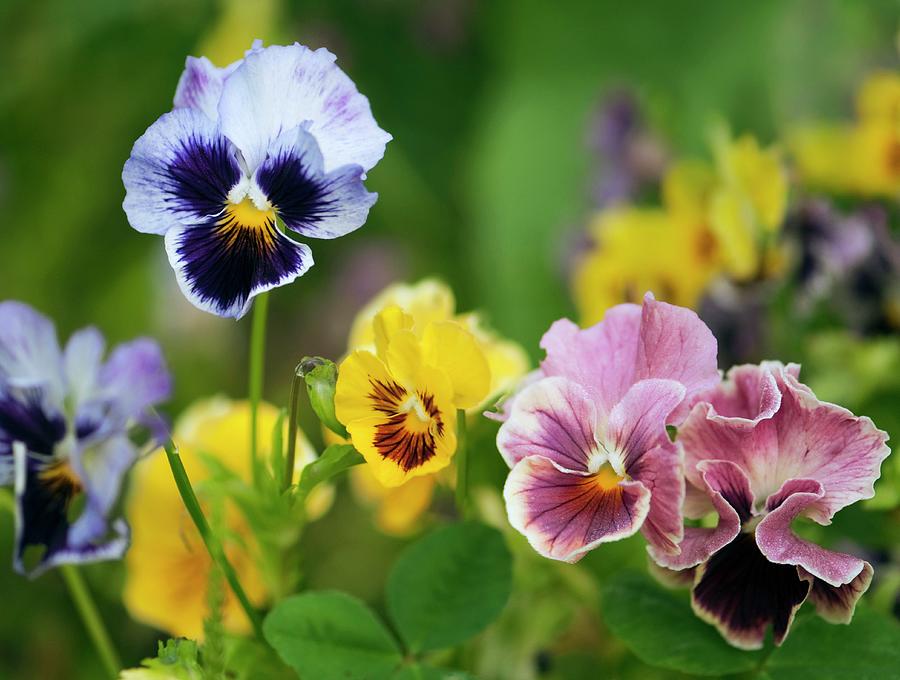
[399, 404]
[398, 509]
[748, 204]
[670, 251]
[862, 157]
[167, 567]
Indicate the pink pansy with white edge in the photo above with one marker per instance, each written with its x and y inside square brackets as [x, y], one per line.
[763, 450]
[586, 441]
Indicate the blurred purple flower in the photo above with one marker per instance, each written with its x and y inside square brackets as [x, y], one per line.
[65, 419]
[629, 156]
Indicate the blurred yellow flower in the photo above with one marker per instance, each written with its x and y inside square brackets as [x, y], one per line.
[167, 567]
[862, 157]
[715, 220]
[399, 404]
[398, 509]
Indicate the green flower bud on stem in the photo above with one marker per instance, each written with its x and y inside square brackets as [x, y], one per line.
[321, 376]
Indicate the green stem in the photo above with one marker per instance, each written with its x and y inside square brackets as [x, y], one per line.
[462, 465]
[293, 405]
[213, 546]
[86, 607]
[257, 366]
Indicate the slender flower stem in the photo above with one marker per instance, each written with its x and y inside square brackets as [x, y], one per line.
[84, 603]
[213, 546]
[293, 406]
[257, 367]
[462, 465]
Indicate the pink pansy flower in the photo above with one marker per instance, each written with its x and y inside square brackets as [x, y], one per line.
[762, 450]
[586, 439]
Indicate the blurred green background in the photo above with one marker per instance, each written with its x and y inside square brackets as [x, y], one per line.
[484, 184]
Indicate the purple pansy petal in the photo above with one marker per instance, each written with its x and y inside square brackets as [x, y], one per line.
[781, 545]
[179, 173]
[742, 593]
[600, 358]
[101, 469]
[135, 377]
[638, 422]
[200, 86]
[827, 443]
[221, 270]
[660, 470]
[29, 351]
[553, 418]
[278, 88]
[82, 359]
[675, 344]
[729, 491]
[565, 514]
[837, 604]
[307, 200]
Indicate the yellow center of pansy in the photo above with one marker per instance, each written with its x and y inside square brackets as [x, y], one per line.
[246, 214]
[60, 478]
[606, 478]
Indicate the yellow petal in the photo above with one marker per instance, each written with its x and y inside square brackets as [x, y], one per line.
[732, 221]
[879, 97]
[450, 347]
[386, 324]
[426, 301]
[404, 358]
[355, 383]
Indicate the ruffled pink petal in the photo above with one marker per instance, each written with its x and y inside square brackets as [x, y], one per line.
[781, 545]
[660, 470]
[634, 343]
[827, 443]
[675, 344]
[638, 422]
[748, 395]
[836, 604]
[565, 514]
[729, 491]
[553, 418]
[600, 358]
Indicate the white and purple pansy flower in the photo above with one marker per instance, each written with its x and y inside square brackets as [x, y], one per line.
[281, 138]
[591, 460]
[761, 451]
[65, 420]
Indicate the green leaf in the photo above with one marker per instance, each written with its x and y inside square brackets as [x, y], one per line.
[867, 649]
[419, 672]
[659, 626]
[333, 461]
[450, 585]
[328, 634]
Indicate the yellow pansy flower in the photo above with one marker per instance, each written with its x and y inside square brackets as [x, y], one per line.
[167, 567]
[749, 202]
[399, 403]
[398, 509]
[862, 157]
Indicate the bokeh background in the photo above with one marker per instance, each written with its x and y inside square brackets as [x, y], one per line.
[486, 185]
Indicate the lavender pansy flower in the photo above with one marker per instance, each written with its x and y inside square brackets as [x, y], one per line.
[65, 418]
[761, 450]
[586, 441]
[281, 137]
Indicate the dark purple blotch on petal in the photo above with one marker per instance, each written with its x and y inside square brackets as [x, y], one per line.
[25, 420]
[225, 262]
[742, 593]
[200, 176]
